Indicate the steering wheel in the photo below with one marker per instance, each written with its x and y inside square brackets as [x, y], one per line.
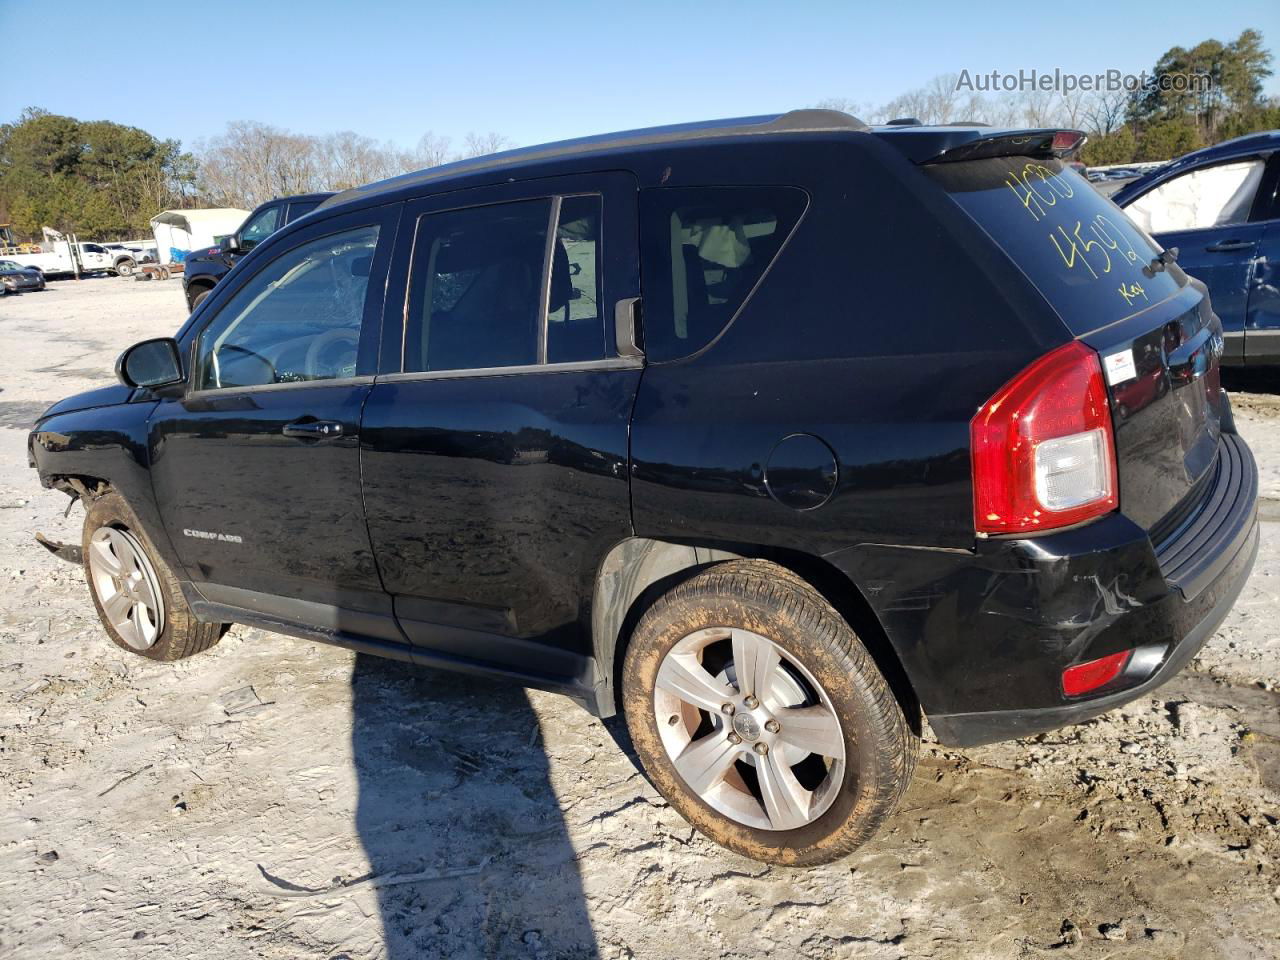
[311, 364]
[220, 354]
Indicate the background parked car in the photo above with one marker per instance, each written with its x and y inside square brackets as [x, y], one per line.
[17, 278]
[204, 268]
[1219, 207]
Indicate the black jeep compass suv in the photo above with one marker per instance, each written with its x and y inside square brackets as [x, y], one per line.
[771, 433]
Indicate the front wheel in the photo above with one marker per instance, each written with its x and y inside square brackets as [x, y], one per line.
[125, 268]
[762, 719]
[136, 595]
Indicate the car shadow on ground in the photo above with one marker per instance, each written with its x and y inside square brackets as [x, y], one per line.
[1251, 379]
[463, 830]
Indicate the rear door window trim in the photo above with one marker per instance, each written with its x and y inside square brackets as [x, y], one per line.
[612, 362]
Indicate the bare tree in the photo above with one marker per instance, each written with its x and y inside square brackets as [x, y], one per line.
[481, 144]
[913, 103]
[347, 159]
[855, 108]
[431, 151]
[1106, 111]
[1072, 108]
[254, 162]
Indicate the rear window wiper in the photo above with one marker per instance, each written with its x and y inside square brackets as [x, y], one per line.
[1161, 262]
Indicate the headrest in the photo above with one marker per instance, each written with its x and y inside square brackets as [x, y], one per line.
[561, 285]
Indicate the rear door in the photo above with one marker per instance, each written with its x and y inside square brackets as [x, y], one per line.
[494, 443]
[1205, 213]
[1159, 340]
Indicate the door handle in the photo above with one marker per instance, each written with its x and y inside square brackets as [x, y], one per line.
[313, 429]
[1223, 246]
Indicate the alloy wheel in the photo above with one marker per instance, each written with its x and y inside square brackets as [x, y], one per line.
[749, 729]
[127, 586]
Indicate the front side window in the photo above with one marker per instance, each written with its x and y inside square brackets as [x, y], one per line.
[259, 227]
[475, 289]
[703, 249]
[296, 320]
[1216, 196]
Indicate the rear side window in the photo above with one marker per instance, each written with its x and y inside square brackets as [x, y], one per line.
[301, 209]
[703, 250]
[1081, 251]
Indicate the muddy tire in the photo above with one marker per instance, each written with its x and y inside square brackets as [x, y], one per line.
[198, 299]
[802, 774]
[125, 268]
[135, 593]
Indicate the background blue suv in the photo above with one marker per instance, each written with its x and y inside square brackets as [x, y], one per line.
[1221, 209]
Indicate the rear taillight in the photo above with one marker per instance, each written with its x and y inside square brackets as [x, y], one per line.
[1044, 452]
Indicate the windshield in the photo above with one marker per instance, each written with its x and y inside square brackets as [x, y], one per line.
[1080, 250]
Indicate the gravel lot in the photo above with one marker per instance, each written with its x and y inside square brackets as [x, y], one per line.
[279, 799]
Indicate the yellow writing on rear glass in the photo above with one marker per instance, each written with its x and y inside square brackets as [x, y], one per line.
[1131, 292]
[1093, 246]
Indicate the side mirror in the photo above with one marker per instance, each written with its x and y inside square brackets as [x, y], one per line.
[151, 363]
[229, 244]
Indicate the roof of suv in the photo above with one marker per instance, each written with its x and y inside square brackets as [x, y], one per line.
[918, 143]
[299, 198]
[510, 161]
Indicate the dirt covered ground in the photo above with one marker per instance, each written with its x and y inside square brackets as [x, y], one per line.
[279, 799]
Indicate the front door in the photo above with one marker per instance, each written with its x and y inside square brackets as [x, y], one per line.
[1206, 213]
[1262, 324]
[257, 467]
[494, 445]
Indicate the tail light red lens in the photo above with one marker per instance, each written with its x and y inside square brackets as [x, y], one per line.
[1043, 448]
[1084, 677]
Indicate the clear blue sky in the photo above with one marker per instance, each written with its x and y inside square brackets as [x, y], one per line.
[548, 70]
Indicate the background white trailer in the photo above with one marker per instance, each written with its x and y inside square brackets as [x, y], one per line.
[178, 232]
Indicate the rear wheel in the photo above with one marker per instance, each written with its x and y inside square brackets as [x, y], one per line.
[761, 717]
[136, 595]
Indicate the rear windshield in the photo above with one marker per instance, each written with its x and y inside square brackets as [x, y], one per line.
[1080, 250]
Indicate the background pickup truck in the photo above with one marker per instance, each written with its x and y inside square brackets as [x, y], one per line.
[56, 258]
[204, 268]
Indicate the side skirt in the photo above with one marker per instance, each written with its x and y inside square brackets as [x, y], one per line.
[264, 618]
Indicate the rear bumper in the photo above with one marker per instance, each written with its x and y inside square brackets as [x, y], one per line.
[970, 729]
[984, 636]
